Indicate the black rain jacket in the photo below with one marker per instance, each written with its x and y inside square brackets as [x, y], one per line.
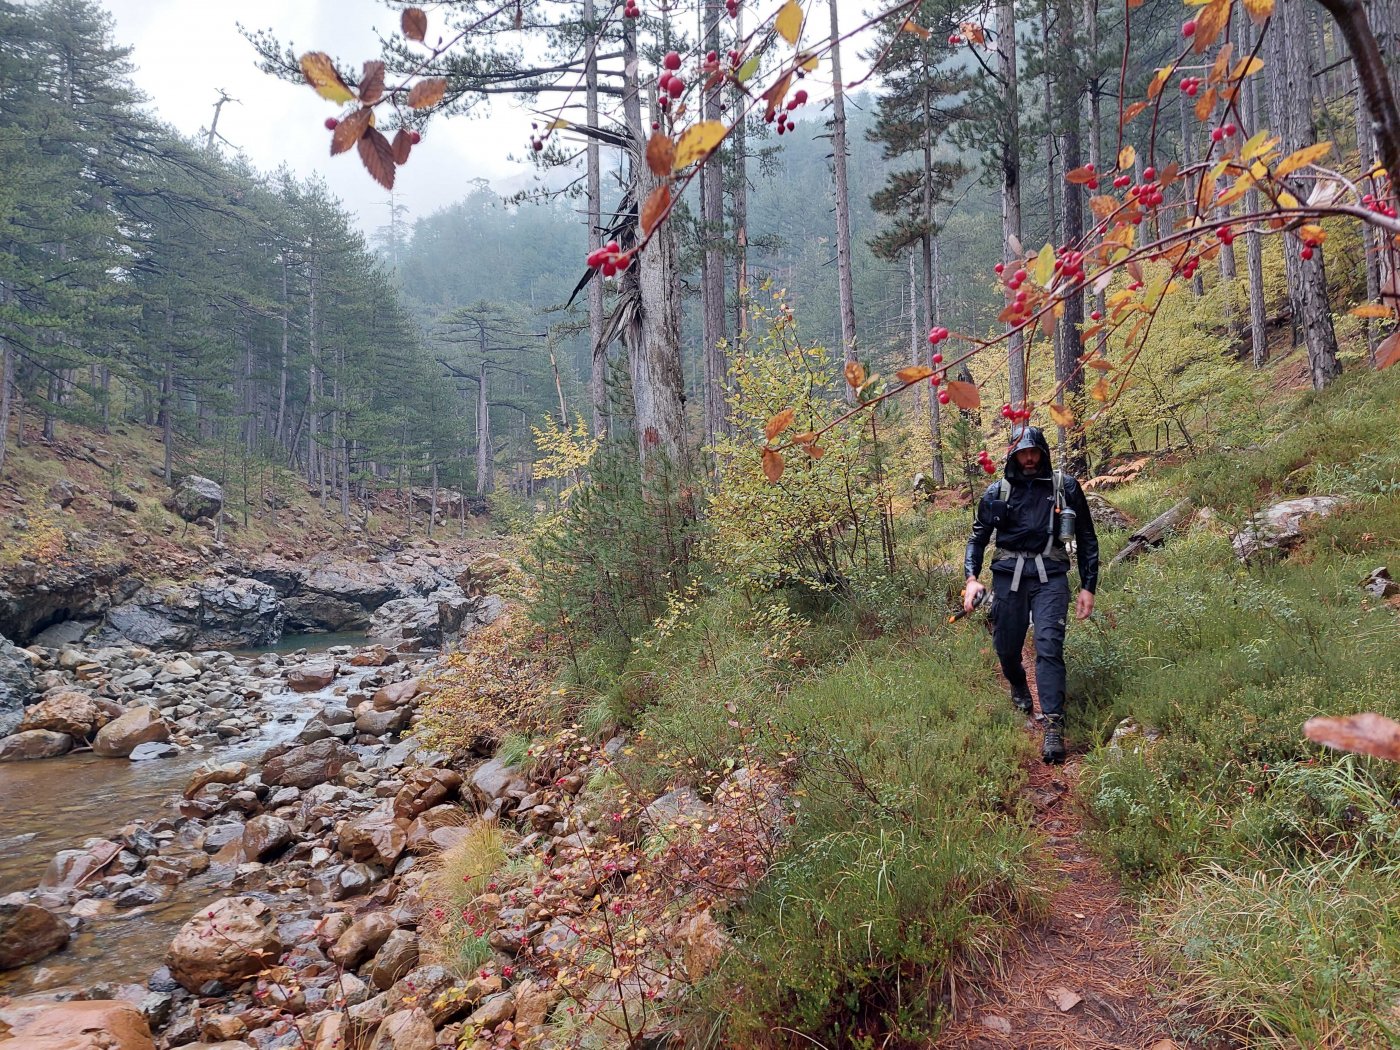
[1023, 522]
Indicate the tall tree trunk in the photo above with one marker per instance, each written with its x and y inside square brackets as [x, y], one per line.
[1254, 246]
[279, 431]
[484, 459]
[598, 373]
[1307, 280]
[653, 339]
[1068, 373]
[1010, 149]
[843, 200]
[712, 260]
[1096, 158]
[740, 203]
[916, 345]
[935, 421]
[7, 383]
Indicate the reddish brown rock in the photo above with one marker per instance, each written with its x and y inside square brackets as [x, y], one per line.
[424, 789]
[376, 838]
[140, 725]
[71, 712]
[28, 933]
[230, 941]
[395, 695]
[364, 937]
[34, 744]
[307, 766]
[309, 679]
[73, 867]
[97, 1025]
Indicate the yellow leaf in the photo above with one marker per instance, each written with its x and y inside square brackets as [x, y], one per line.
[811, 64]
[1209, 23]
[1155, 88]
[661, 153]
[697, 141]
[919, 31]
[789, 21]
[1062, 415]
[779, 423]
[1259, 10]
[1101, 391]
[1311, 233]
[1287, 200]
[1301, 158]
[855, 374]
[319, 71]
[913, 373]
[1247, 67]
[1045, 265]
[1372, 310]
[772, 464]
[558, 124]
[965, 395]
[1126, 156]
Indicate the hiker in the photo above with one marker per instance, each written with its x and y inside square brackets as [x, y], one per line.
[1034, 511]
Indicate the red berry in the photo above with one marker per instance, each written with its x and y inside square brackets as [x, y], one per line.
[944, 397]
[1217, 135]
[1121, 181]
[1096, 316]
[989, 468]
[1019, 276]
[672, 61]
[954, 39]
[414, 137]
[676, 87]
[1230, 129]
[1306, 253]
[938, 359]
[712, 57]
[999, 268]
[655, 125]
[1188, 28]
[331, 123]
[799, 96]
[1149, 174]
[538, 144]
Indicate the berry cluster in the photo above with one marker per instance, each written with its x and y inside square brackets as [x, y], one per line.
[610, 259]
[1309, 243]
[1226, 234]
[1378, 206]
[631, 10]
[732, 6]
[1093, 182]
[984, 460]
[1015, 415]
[1223, 132]
[786, 123]
[1191, 85]
[955, 39]
[1070, 264]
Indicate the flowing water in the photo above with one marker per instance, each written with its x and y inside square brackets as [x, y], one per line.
[56, 804]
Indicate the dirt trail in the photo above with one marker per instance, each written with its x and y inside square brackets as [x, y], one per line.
[1076, 981]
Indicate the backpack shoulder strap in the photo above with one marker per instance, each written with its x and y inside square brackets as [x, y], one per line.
[1003, 489]
[1059, 490]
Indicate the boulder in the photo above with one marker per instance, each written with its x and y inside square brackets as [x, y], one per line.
[153, 750]
[1378, 583]
[228, 773]
[405, 1030]
[196, 497]
[16, 685]
[28, 933]
[228, 942]
[428, 620]
[398, 955]
[265, 836]
[310, 678]
[362, 940]
[380, 723]
[74, 867]
[95, 1025]
[495, 780]
[140, 725]
[376, 838]
[34, 595]
[70, 711]
[425, 788]
[61, 493]
[307, 766]
[217, 612]
[36, 743]
[374, 656]
[1281, 526]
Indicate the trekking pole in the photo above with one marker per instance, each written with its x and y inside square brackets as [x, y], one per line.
[982, 600]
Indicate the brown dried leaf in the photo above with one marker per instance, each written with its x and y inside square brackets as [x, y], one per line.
[1102, 205]
[1135, 110]
[815, 451]
[855, 374]
[1065, 999]
[913, 373]
[777, 93]
[804, 438]
[1101, 391]
[414, 23]
[1079, 176]
[1061, 415]
[919, 31]
[402, 146]
[1365, 734]
[655, 207]
[779, 423]
[1388, 351]
[661, 154]
[1214, 17]
[427, 93]
[378, 157]
[1099, 363]
[1221, 65]
[773, 464]
[1372, 310]
[965, 395]
[372, 83]
[1259, 10]
[349, 130]
[1205, 104]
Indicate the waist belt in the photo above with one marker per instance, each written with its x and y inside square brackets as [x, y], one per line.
[1036, 557]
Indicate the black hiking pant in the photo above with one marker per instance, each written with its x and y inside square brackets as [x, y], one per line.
[1011, 613]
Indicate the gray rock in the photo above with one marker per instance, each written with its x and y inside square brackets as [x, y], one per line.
[16, 685]
[68, 632]
[152, 750]
[307, 766]
[1378, 583]
[36, 743]
[1281, 526]
[196, 498]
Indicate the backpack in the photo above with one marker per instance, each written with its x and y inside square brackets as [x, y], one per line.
[1003, 490]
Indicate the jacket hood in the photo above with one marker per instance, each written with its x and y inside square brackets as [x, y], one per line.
[1028, 437]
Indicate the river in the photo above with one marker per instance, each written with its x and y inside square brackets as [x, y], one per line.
[56, 804]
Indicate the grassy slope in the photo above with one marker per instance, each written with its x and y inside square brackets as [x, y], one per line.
[155, 541]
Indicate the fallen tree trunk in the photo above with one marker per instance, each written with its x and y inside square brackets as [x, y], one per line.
[1152, 534]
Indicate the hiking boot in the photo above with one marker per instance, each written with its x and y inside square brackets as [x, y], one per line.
[1022, 700]
[1052, 752]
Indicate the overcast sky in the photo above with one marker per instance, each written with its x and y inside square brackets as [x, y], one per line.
[186, 51]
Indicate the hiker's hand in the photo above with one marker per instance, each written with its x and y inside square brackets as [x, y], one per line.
[1084, 605]
[971, 593]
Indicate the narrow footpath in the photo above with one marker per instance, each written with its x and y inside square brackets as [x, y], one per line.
[1078, 980]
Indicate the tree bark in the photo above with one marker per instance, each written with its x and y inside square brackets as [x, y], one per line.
[1068, 373]
[1254, 247]
[935, 421]
[1010, 180]
[598, 353]
[844, 281]
[712, 259]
